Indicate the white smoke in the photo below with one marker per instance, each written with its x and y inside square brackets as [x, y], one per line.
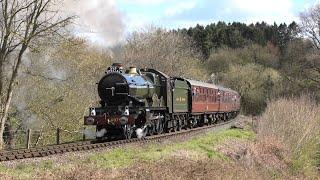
[56, 73]
[99, 20]
[141, 132]
[27, 117]
[101, 133]
[89, 133]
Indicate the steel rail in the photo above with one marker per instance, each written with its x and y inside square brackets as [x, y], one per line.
[88, 145]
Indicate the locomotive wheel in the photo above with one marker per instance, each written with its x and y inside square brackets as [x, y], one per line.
[190, 124]
[179, 127]
[179, 124]
[175, 125]
[210, 120]
[158, 126]
[195, 123]
[127, 131]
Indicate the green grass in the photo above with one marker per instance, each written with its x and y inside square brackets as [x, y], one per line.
[124, 157]
[202, 146]
[24, 170]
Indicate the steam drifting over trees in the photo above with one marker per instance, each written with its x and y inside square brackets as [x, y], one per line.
[22, 23]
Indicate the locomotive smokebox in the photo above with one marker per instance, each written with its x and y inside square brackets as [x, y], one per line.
[118, 88]
[113, 89]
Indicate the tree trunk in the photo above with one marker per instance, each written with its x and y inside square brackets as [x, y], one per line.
[4, 116]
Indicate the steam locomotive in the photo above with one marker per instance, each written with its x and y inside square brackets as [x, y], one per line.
[140, 102]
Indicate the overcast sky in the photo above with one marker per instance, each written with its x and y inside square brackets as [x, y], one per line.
[111, 20]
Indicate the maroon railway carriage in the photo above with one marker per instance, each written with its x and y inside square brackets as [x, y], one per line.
[212, 99]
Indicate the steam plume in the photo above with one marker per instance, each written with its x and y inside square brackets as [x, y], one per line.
[100, 20]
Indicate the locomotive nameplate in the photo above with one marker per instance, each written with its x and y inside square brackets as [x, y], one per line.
[181, 99]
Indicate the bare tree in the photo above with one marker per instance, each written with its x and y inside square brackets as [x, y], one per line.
[169, 52]
[310, 24]
[310, 27]
[22, 23]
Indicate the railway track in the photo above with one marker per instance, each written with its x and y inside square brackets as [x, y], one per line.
[88, 145]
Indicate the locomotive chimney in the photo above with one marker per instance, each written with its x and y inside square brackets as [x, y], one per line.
[133, 70]
[117, 64]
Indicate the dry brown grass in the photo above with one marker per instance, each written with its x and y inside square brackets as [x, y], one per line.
[294, 124]
[174, 168]
[286, 143]
[265, 159]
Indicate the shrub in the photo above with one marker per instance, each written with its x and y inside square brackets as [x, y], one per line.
[223, 58]
[295, 123]
[255, 84]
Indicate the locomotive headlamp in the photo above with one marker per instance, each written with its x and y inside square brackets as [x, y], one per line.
[126, 111]
[93, 112]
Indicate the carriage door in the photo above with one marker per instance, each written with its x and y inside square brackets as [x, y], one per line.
[219, 99]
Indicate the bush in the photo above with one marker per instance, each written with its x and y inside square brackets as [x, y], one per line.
[255, 84]
[223, 58]
[295, 123]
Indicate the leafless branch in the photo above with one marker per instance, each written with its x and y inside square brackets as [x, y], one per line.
[21, 23]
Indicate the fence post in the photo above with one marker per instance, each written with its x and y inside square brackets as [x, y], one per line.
[255, 123]
[28, 138]
[84, 135]
[58, 135]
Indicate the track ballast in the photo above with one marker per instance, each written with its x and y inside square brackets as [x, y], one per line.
[88, 145]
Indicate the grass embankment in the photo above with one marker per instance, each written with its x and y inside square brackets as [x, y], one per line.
[294, 124]
[284, 147]
[195, 149]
